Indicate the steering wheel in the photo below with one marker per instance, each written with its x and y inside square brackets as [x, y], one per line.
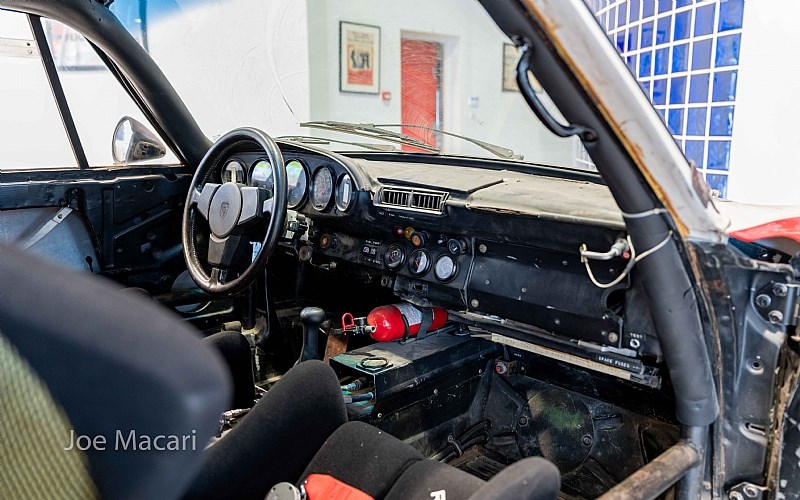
[233, 210]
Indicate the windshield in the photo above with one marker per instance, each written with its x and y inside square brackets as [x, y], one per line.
[411, 68]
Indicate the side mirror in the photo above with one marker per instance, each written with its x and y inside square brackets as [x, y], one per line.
[134, 142]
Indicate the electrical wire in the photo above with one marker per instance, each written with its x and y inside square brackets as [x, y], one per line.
[632, 262]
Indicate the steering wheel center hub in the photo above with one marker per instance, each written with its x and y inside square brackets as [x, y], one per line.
[225, 209]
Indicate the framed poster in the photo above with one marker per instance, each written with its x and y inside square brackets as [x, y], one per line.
[359, 58]
[510, 57]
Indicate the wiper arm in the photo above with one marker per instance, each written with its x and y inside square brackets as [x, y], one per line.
[306, 139]
[370, 130]
[492, 148]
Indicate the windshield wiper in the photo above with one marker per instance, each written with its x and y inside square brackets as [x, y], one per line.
[306, 139]
[376, 132]
[370, 130]
[492, 148]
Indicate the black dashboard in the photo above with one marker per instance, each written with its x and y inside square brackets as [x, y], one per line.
[496, 247]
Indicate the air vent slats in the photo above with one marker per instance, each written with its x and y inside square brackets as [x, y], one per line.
[420, 200]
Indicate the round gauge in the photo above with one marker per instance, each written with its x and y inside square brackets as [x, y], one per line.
[261, 175]
[233, 172]
[419, 262]
[445, 268]
[298, 183]
[394, 256]
[322, 189]
[344, 193]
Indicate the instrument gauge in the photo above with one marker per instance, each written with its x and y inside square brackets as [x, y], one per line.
[297, 178]
[394, 257]
[322, 189]
[233, 172]
[445, 268]
[261, 175]
[344, 193]
[419, 262]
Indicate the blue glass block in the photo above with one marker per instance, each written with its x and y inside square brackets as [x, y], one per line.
[663, 30]
[719, 155]
[662, 61]
[704, 20]
[701, 58]
[721, 121]
[660, 91]
[648, 8]
[676, 121]
[622, 14]
[677, 90]
[695, 151]
[646, 88]
[634, 10]
[683, 24]
[698, 88]
[680, 57]
[663, 114]
[647, 34]
[631, 60]
[620, 41]
[645, 62]
[728, 50]
[633, 38]
[724, 86]
[731, 13]
[696, 121]
[664, 5]
[612, 18]
[683, 3]
[718, 182]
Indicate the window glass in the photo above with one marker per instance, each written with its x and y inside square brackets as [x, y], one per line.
[96, 99]
[31, 132]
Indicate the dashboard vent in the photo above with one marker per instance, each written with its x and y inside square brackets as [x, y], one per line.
[416, 199]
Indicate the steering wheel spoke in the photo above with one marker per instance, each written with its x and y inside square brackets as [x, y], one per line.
[256, 202]
[201, 198]
[222, 251]
[218, 276]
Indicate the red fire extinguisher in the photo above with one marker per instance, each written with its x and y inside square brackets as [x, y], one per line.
[390, 321]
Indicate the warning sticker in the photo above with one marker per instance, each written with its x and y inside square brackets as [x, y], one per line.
[412, 314]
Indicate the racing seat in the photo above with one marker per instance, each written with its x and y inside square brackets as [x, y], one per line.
[77, 357]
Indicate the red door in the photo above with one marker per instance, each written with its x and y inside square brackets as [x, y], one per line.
[420, 89]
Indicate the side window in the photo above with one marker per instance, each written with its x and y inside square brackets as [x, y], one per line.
[32, 135]
[95, 98]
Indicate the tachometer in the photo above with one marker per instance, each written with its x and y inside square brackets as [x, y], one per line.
[344, 193]
[419, 262]
[233, 172]
[261, 175]
[322, 189]
[298, 183]
[445, 268]
[394, 256]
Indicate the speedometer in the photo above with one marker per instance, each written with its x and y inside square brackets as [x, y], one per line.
[344, 193]
[298, 183]
[322, 189]
[261, 175]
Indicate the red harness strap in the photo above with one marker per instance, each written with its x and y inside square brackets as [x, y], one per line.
[323, 487]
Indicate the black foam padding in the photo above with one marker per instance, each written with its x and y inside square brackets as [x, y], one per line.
[115, 361]
[277, 439]
[532, 478]
[428, 476]
[235, 350]
[364, 457]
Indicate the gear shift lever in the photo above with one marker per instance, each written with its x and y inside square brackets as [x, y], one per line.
[312, 318]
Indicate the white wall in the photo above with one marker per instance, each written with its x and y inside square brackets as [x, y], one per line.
[472, 69]
[764, 167]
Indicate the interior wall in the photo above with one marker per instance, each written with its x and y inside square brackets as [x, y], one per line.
[762, 170]
[472, 98]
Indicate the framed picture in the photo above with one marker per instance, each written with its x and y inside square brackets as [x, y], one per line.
[510, 57]
[359, 58]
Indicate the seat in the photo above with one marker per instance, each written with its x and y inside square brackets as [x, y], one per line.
[106, 362]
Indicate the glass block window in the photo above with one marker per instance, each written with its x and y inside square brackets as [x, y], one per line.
[685, 54]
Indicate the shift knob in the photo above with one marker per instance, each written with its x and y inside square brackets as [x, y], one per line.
[312, 318]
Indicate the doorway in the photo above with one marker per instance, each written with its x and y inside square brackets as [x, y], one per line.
[421, 90]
